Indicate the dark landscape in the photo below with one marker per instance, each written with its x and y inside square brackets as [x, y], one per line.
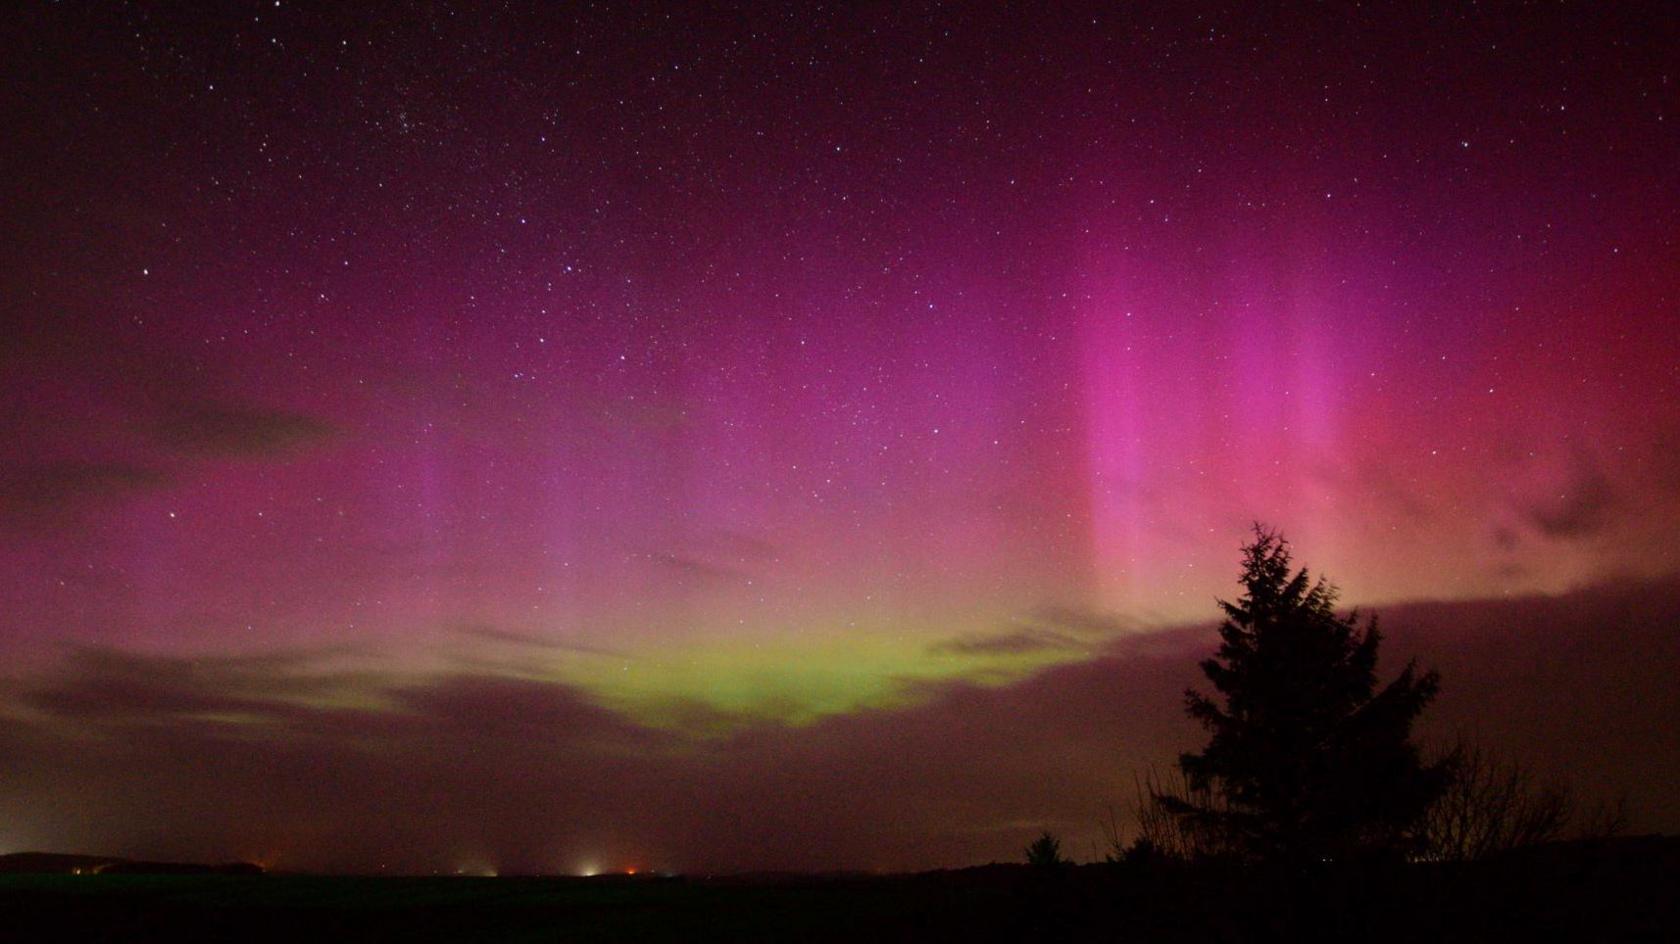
[1609, 891]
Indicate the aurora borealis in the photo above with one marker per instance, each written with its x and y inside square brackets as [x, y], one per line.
[578, 438]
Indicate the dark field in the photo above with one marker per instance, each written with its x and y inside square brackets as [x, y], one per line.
[1615, 892]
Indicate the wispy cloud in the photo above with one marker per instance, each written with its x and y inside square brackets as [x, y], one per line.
[101, 685]
[1013, 642]
[1081, 621]
[1584, 507]
[48, 493]
[697, 569]
[512, 637]
[214, 427]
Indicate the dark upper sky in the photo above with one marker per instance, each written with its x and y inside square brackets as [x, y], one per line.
[673, 407]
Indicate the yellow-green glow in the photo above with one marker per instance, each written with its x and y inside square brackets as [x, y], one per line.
[719, 684]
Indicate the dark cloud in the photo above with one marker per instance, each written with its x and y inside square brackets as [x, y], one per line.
[529, 712]
[1012, 642]
[111, 686]
[1048, 628]
[1505, 539]
[715, 557]
[697, 569]
[524, 774]
[225, 428]
[1084, 622]
[35, 495]
[49, 493]
[177, 399]
[145, 700]
[1585, 506]
[513, 637]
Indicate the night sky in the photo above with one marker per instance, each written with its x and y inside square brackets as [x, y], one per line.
[803, 437]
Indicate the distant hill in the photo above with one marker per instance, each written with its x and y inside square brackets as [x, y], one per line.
[57, 863]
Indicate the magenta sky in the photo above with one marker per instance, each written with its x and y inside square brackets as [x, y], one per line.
[709, 383]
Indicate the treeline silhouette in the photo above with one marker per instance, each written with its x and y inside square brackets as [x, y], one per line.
[1310, 761]
[1312, 810]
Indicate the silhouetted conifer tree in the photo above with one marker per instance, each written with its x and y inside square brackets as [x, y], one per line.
[1046, 853]
[1307, 759]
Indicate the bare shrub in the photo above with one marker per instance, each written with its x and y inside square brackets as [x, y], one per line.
[1492, 805]
[1160, 833]
[1606, 819]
